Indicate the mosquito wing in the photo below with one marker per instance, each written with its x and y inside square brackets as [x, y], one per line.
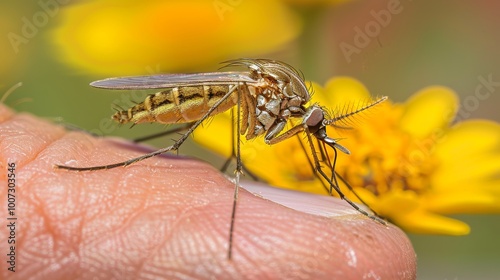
[174, 80]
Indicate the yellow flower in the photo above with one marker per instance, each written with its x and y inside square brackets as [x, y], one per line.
[124, 37]
[315, 2]
[408, 161]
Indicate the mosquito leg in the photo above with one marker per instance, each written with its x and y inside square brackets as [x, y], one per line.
[314, 164]
[246, 171]
[354, 192]
[354, 205]
[311, 165]
[285, 135]
[333, 184]
[224, 167]
[72, 127]
[249, 120]
[238, 171]
[173, 147]
[230, 158]
[333, 165]
[335, 174]
[244, 108]
[163, 133]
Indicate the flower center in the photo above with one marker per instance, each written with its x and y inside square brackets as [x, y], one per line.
[385, 158]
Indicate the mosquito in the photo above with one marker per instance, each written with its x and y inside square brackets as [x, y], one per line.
[268, 96]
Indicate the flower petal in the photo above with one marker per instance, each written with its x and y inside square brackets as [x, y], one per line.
[469, 138]
[340, 91]
[384, 205]
[405, 209]
[463, 201]
[428, 111]
[469, 153]
[428, 223]
[459, 174]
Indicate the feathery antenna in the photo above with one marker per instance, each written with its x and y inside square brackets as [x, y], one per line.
[345, 116]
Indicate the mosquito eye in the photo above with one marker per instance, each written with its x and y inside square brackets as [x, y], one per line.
[315, 117]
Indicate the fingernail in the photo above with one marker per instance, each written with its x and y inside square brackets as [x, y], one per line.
[320, 205]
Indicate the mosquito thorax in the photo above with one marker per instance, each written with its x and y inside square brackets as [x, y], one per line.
[278, 94]
[287, 80]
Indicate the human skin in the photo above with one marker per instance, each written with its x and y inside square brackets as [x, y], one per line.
[168, 218]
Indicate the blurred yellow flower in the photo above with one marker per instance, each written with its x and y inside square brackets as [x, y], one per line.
[124, 37]
[315, 2]
[407, 162]
[15, 49]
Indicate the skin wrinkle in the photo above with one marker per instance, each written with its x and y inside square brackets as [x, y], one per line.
[47, 142]
[124, 225]
[134, 216]
[121, 243]
[33, 156]
[185, 217]
[60, 241]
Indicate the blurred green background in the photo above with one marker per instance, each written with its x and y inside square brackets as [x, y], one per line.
[429, 42]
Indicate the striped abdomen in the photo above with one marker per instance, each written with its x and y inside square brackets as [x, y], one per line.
[178, 105]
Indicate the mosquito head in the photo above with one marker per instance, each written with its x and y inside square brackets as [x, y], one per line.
[315, 121]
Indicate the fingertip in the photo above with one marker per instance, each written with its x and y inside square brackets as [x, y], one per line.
[186, 208]
[322, 236]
